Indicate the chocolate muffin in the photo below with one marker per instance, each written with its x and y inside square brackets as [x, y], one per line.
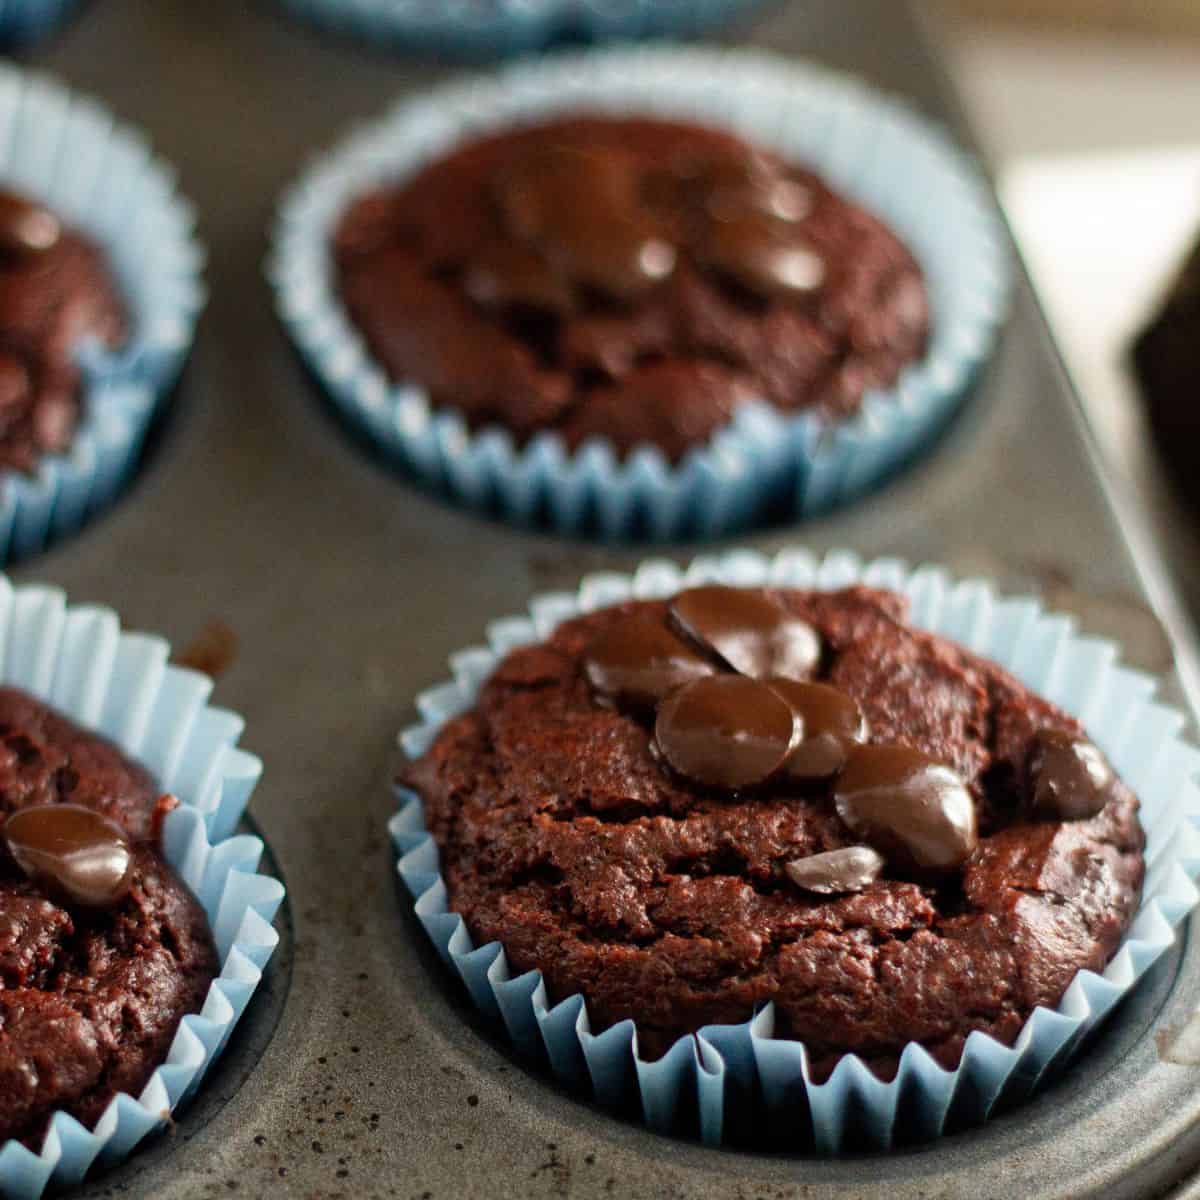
[103, 949]
[684, 810]
[1166, 359]
[56, 293]
[631, 279]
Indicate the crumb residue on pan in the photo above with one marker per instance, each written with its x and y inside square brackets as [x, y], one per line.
[1179, 1045]
[213, 650]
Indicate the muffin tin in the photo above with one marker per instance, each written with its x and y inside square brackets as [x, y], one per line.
[348, 589]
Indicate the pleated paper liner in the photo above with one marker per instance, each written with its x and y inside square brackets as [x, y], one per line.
[870, 147]
[699, 1086]
[69, 153]
[120, 685]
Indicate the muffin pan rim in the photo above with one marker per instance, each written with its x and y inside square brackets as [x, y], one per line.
[433, 577]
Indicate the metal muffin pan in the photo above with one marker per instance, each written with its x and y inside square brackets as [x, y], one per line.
[360, 1071]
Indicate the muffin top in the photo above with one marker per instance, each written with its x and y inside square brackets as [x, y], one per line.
[686, 809]
[632, 279]
[102, 947]
[56, 292]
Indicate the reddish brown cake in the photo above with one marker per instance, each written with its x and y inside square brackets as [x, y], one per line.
[56, 292]
[684, 810]
[93, 983]
[632, 279]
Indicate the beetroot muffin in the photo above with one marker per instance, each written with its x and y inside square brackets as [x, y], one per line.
[683, 810]
[56, 293]
[631, 279]
[103, 949]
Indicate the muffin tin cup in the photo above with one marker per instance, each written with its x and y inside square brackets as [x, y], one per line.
[870, 147]
[702, 1082]
[490, 28]
[25, 21]
[120, 685]
[70, 154]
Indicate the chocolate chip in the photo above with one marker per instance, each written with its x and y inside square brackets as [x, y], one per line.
[831, 725]
[848, 870]
[26, 228]
[764, 193]
[765, 256]
[584, 214]
[916, 811]
[503, 275]
[1070, 779]
[750, 630]
[637, 660]
[788, 200]
[728, 188]
[725, 731]
[75, 854]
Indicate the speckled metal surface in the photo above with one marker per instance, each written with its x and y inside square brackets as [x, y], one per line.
[360, 1072]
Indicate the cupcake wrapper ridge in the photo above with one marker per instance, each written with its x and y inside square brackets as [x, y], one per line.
[475, 29]
[871, 147]
[69, 153]
[693, 1089]
[120, 685]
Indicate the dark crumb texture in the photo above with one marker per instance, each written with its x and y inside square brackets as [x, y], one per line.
[563, 838]
[50, 303]
[669, 365]
[89, 999]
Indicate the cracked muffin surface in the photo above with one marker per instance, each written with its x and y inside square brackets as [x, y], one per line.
[631, 279]
[564, 836]
[90, 998]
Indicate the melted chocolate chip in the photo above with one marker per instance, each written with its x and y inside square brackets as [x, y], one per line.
[727, 188]
[75, 854]
[848, 870]
[726, 731]
[749, 630]
[583, 212]
[917, 812]
[759, 191]
[637, 661]
[831, 725]
[506, 276]
[26, 228]
[1070, 779]
[764, 255]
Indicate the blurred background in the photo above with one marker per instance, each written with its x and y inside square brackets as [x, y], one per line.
[1163, 16]
[1089, 111]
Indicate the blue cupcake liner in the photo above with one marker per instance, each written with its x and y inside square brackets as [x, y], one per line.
[871, 147]
[701, 1081]
[120, 685]
[69, 153]
[489, 28]
[25, 21]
